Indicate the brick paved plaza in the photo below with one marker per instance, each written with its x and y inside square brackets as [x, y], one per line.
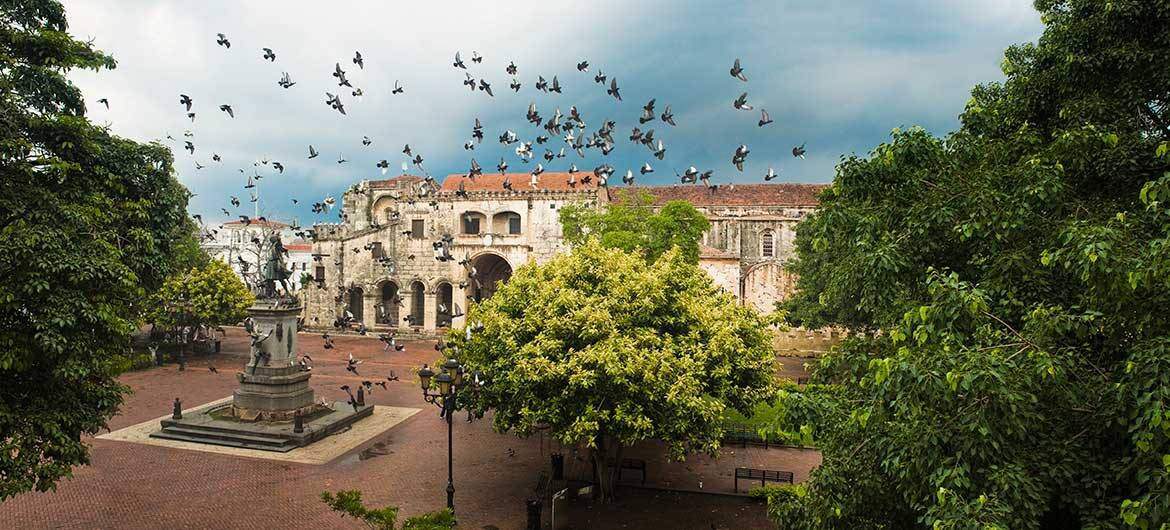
[131, 485]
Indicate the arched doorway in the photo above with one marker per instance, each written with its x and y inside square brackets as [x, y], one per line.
[765, 284]
[355, 304]
[444, 307]
[388, 308]
[417, 303]
[491, 270]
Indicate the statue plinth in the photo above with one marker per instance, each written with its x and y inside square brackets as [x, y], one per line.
[272, 385]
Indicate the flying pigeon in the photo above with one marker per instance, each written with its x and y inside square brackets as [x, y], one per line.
[737, 71]
[228, 110]
[357, 59]
[269, 55]
[583, 66]
[184, 99]
[764, 118]
[458, 62]
[741, 102]
[798, 151]
[223, 40]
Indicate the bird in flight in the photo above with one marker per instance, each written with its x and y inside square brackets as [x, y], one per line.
[764, 117]
[228, 110]
[475, 57]
[739, 156]
[515, 86]
[613, 89]
[268, 54]
[106, 102]
[583, 66]
[312, 152]
[285, 80]
[667, 116]
[357, 59]
[511, 69]
[771, 174]
[458, 62]
[223, 40]
[798, 151]
[737, 71]
[397, 88]
[741, 102]
[340, 75]
[184, 99]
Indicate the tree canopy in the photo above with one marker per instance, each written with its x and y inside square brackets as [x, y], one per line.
[211, 295]
[89, 224]
[633, 225]
[1018, 274]
[604, 349]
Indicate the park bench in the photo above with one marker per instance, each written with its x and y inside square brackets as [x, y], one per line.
[763, 475]
[630, 463]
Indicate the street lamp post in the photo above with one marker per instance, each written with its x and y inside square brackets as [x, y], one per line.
[450, 379]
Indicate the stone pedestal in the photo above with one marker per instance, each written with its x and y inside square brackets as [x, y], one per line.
[271, 384]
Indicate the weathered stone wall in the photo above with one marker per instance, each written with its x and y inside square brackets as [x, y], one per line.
[724, 272]
[351, 265]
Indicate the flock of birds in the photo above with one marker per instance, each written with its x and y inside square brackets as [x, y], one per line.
[570, 128]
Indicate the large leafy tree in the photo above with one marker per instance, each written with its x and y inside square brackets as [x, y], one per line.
[1019, 273]
[89, 224]
[201, 297]
[604, 349]
[633, 224]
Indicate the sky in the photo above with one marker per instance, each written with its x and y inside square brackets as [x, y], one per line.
[835, 75]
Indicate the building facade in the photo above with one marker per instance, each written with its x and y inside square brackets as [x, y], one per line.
[379, 268]
[241, 246]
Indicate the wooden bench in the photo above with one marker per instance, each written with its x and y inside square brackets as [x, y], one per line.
[630, 463]
[763, 475]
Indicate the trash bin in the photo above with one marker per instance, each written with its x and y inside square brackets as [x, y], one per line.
[534, 506]
[558, 465]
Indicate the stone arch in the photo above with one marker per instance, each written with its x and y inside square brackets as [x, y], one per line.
[356, 303]
[472, 222]
[418, 293]
[388, 299]
[491, 269]
[507, 222]
[444, 303]
[764, 284]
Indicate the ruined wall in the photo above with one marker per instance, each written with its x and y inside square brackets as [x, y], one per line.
[353, 265]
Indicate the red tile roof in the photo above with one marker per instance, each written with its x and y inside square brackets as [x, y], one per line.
[299, 247]
[395, 182]
[706, 252]
[520, 182]
[785, 194]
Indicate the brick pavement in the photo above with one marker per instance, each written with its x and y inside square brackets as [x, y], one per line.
[135, 486]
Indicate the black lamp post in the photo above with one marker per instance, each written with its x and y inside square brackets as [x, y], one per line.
[450, 379]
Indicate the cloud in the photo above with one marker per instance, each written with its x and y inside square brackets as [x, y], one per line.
[836, 74]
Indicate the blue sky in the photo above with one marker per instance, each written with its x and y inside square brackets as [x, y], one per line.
[837, 75]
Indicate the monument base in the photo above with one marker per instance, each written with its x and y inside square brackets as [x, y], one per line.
[219, 425]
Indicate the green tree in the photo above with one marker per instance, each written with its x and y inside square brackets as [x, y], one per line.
[1017, 272]
[349, 502]
[89, 224]
[633, 225]
[604, 349]
[198, 299]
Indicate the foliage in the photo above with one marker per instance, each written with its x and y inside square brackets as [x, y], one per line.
[633, 225]
[1017, 272]
[605, 349]
[306, 280]
[209, 296]
[89, 224]
[349, 502]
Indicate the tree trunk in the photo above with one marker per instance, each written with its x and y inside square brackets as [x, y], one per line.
[604, 475]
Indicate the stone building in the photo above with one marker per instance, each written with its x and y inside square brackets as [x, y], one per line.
[379, 265]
